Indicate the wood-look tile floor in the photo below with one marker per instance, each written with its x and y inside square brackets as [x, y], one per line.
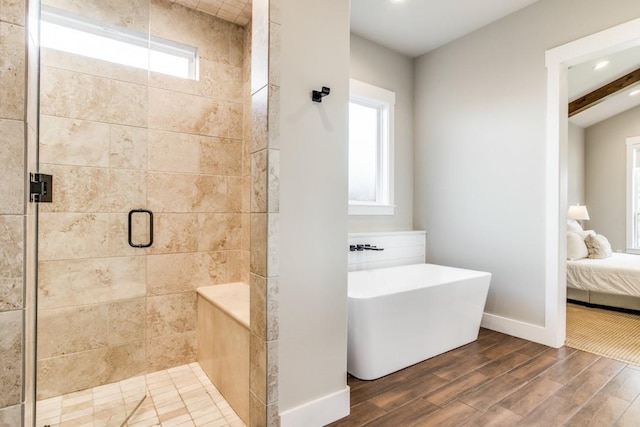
[500, 380]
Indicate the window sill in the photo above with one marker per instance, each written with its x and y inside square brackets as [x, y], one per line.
[371, 209]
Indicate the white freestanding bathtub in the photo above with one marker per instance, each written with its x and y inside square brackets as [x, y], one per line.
[399, 316]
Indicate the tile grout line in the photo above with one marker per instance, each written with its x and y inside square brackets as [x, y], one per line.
[198, 393]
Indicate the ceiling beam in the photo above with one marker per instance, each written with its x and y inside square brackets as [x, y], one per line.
[598, 95]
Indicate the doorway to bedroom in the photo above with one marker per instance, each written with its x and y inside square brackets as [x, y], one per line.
[602, 268]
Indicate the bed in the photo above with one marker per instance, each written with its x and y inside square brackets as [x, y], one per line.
[613, 281]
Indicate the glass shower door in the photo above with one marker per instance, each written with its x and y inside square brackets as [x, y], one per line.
[91, 310]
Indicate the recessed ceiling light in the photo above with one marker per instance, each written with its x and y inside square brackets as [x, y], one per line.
[634, 92]
[600, 65]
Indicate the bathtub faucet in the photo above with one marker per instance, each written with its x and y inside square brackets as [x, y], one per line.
[354, 248]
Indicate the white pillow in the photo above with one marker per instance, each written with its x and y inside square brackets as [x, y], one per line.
[576, 247]
[598, 246]
[573, 225]
[585, 233]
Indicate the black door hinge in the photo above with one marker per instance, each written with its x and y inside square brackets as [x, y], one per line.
[41, 188]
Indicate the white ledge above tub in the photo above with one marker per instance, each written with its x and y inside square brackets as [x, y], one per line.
[400, 248]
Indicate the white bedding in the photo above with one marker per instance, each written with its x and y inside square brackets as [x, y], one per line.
[619, 274]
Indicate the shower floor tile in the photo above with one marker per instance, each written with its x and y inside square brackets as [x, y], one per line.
[181, 396]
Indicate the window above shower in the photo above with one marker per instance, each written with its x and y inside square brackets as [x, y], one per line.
[78, 35]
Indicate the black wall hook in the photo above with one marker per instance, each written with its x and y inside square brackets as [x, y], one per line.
[316, 96]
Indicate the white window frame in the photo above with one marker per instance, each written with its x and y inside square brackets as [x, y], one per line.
[633, 144]
[385, 100]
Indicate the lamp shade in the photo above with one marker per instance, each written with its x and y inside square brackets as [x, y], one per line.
[578, 212]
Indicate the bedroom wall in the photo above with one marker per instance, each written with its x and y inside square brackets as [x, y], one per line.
[380, 66]
[605, 179]
[480, 116]
[575, 167]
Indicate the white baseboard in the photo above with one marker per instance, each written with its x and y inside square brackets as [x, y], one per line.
[319, 412]
[519, 329]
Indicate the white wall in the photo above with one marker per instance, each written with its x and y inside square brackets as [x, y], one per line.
[379, 66]
[605, 179]
[576, 194]
[480, 146]
[313, 202]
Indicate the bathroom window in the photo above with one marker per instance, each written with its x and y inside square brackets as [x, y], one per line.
[370, 149]
[71, 33]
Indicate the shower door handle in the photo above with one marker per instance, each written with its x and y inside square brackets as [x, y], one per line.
[150, 242]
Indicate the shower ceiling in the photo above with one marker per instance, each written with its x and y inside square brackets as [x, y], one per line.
[236, 11]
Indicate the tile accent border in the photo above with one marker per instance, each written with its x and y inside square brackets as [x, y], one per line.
[18, 120]
[264, 206]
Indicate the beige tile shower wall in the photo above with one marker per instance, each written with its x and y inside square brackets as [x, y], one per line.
[91, 284]
[195, 178]
[246, 155]
[12, 207]
[117, 138]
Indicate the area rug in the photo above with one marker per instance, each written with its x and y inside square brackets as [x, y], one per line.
[604, 332]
